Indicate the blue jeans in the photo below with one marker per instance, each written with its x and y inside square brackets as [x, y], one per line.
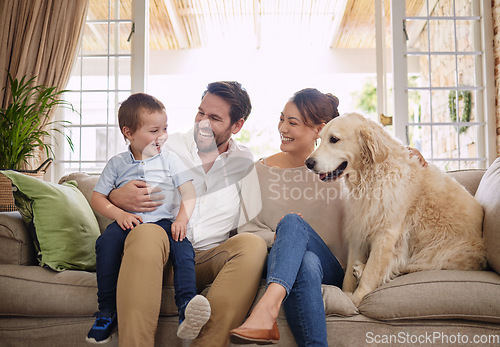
[300, 261]
[109, 250]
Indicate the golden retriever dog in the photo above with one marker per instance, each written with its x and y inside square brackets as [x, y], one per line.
[401, 217]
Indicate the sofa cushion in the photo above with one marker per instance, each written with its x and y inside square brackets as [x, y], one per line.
[488, 195]
[86, 184]
[440, 294]
[64, 228]
[41, 292]
[336, 302]
[37, 291]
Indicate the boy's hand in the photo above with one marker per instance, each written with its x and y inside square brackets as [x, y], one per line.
[179, 229]
[128, 220]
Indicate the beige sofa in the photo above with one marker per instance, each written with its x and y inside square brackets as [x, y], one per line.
[39, 307]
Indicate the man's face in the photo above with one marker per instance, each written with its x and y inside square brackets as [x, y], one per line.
[213, 128]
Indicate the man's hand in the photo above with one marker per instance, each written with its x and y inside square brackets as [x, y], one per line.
[136, 196]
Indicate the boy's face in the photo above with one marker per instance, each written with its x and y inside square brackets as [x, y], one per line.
[147, 141]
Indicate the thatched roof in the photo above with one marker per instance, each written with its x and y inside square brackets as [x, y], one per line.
[181, 24]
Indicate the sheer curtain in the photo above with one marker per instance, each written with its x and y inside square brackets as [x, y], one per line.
[39, 38]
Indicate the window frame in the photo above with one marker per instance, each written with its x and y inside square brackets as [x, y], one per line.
[484, 74]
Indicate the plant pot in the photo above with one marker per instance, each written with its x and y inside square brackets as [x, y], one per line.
[7, 203]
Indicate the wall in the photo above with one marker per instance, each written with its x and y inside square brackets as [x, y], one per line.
[495, 4]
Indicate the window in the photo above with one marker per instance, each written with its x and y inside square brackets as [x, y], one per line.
[100, 79]
[442, 77]
[106, 71]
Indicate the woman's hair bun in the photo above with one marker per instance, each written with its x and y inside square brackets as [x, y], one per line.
[334, 99]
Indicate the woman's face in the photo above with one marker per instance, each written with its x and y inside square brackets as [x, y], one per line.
[296, 136]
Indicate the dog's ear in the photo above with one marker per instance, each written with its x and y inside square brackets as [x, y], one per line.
[373, 147]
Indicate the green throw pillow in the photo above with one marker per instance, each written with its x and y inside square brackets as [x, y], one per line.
[63, 226]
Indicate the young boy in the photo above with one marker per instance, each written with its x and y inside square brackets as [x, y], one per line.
[143, 122]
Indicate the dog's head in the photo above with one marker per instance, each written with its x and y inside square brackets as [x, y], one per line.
[348, 143]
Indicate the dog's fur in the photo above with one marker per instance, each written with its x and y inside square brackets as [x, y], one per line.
[401, 217]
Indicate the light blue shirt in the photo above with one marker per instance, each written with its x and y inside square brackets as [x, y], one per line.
[164, 170]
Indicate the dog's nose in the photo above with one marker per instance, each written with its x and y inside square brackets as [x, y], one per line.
[310, 163]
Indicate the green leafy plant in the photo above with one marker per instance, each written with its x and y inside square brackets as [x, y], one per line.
[465, 96]
[366, 99]
[25, 124]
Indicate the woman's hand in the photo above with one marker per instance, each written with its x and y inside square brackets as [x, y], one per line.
[298, 214]
[416, 153]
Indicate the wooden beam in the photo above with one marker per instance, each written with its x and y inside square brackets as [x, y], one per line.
[177, 27]
[337, 20]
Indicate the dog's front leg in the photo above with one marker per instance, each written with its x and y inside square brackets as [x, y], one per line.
[377, 265]
[355, 256]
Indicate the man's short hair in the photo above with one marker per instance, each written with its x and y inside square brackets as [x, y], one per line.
[235, 95]
[130, 110]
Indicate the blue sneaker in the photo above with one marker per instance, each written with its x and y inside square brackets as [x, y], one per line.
[101, 331]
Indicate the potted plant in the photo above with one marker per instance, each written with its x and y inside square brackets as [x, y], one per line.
[25, 128]
[25, 124]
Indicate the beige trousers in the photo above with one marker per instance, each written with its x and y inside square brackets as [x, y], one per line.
[234, 268]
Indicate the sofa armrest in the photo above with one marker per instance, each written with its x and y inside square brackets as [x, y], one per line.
[16, 245]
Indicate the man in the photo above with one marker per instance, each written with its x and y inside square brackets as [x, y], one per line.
[233, 265]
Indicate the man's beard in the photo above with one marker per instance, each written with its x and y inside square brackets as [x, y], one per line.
[209, 143]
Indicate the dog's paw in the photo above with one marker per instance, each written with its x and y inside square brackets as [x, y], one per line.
[350, 282]
[357, 271]
[355, 300]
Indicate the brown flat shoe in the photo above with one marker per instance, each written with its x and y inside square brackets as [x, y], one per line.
[244, 336]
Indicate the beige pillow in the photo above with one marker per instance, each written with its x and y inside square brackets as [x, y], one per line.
[488, 195]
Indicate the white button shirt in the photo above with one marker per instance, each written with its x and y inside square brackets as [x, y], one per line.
[218, 191]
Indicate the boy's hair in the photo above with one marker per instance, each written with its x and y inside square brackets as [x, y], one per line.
[130, 110]
[235, 95]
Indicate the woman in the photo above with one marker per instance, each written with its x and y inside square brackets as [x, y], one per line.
[300, 260]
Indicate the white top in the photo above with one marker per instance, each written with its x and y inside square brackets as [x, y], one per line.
[218, 191]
